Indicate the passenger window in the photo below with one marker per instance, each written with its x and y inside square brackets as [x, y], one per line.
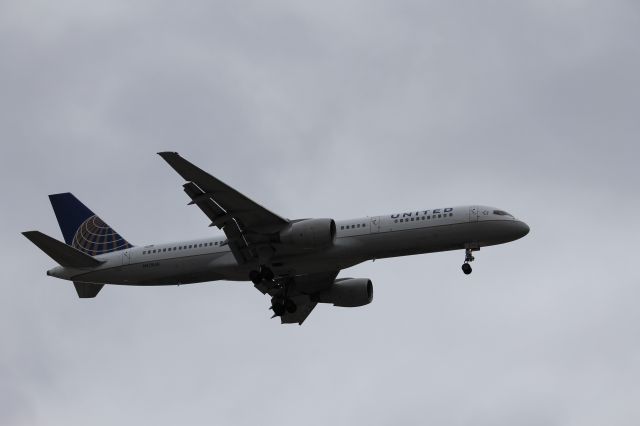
[422, 217]
[396, 221]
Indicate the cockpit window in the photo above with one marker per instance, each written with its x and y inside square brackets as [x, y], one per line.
[501, 213]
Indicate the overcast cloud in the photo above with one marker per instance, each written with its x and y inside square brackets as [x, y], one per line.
[338, 109]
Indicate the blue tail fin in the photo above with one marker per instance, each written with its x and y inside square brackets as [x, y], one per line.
[82, 229]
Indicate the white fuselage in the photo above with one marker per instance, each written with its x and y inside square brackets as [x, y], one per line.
[357, 240]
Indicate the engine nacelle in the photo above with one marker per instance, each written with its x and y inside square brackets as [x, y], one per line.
[310, 233]
[348, 293]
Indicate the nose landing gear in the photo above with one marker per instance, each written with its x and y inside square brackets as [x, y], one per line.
[468, 258]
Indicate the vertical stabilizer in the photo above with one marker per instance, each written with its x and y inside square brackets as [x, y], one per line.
[83, 229]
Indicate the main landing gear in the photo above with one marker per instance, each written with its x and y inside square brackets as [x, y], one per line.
[280, 302]
[281, 305]
[264, 274]
[468, 258]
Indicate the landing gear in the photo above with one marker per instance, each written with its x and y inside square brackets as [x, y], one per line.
[468, 258]
[265, 281]
[281, 303]
[280, 306]
[265, 273]
[290, 306]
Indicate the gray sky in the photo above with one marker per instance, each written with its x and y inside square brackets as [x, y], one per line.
[339, 109]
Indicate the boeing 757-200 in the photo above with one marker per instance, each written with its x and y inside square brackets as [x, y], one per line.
[295, 262]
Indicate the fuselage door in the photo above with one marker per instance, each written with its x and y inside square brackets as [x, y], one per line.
[126, 257]
[473, 214]
[375, 224]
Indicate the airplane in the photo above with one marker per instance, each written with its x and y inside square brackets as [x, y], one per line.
[295, 262]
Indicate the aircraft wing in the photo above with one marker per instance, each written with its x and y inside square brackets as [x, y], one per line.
[242, 220]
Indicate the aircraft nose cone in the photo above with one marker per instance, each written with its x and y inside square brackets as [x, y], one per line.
[522, 229]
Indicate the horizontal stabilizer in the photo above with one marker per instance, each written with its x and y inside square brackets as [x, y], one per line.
[60, 252]
[87, 290]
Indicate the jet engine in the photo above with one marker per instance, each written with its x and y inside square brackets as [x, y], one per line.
[309, 233]
[348, 293]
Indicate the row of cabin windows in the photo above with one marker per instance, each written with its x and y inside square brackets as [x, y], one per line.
[190, 246]
[353, 226]
[423, 218]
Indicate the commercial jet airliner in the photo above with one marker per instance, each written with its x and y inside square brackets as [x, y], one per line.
[295, 262]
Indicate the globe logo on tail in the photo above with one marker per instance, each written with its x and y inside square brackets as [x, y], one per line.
[95, 237]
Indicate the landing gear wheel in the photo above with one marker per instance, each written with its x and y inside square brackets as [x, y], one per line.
[266, 273]
[466, 268]
[278, 309]
[290, 306]
[255, 277]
